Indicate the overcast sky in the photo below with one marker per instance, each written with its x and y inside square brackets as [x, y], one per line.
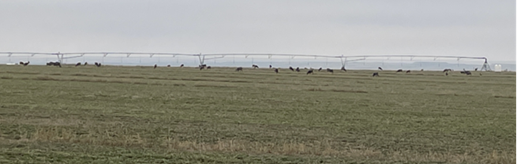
[332, 27]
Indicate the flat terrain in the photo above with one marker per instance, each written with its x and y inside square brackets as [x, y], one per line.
[109, 114]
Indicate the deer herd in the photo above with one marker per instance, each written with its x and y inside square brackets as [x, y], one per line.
[254, 66]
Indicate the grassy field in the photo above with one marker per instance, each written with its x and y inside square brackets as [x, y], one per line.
[184, 115]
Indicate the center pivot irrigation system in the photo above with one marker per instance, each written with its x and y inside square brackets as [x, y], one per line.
[202, 57]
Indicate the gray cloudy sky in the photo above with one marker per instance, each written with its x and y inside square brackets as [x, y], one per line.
[334, 27]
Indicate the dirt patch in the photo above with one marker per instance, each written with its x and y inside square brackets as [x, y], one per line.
[352, 91]
[136, 77]
[510, 97]
[79, 74]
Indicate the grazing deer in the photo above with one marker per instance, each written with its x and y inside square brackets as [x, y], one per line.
[310, 71]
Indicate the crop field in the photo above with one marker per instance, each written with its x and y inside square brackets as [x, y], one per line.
[111, 114]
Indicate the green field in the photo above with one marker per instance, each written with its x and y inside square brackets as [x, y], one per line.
[183, 115]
